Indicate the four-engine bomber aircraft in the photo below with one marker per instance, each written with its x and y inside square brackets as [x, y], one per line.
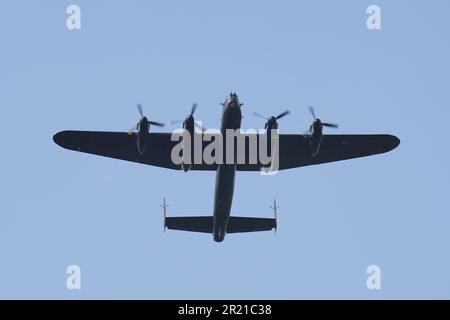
[294, 150]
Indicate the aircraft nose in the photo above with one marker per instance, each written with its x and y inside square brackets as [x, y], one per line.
[233, 99]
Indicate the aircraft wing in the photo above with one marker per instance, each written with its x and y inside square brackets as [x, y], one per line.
[122, 145]
[294, 149]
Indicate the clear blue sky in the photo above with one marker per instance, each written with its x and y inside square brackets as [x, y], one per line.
[60, 207]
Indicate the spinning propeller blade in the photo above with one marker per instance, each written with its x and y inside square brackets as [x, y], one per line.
[311, 110]
[330, 125]
[141, 112]
[260, 115]
[194, 107]
[281, 115]
[158, 124]
[325, 124]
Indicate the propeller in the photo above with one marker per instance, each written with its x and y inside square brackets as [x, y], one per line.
[191, 115]
[281, 115]
[141, 112]
[144, 118]
[155, 123]
[271, 122]
[194, 107]
[325, 124]
[311, 110]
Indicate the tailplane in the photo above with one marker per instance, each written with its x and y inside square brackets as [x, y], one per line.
[205, 224]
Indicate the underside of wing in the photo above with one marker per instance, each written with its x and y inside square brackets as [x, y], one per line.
[122, 145]
[294, 149]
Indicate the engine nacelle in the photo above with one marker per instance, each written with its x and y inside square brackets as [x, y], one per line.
[315, 132]
[187, 140]
[141, 142]
[142, 131]
[315, 138]
[142, 135]
[270, 137]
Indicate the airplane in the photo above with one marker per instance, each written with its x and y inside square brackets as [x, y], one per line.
[294, 150]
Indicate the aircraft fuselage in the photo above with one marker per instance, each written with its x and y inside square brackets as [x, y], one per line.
[225, 173]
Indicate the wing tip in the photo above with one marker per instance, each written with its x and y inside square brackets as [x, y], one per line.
[395, 142]
[63, 139]
[58, 137]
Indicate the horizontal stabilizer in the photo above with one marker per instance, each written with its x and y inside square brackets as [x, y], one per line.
[243, 224]
[205, 224]
[194, 224]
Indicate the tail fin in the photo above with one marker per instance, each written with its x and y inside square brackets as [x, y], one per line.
[164, 206]
[275, 215]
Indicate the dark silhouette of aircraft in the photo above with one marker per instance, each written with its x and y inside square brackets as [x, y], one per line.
[294, 150]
